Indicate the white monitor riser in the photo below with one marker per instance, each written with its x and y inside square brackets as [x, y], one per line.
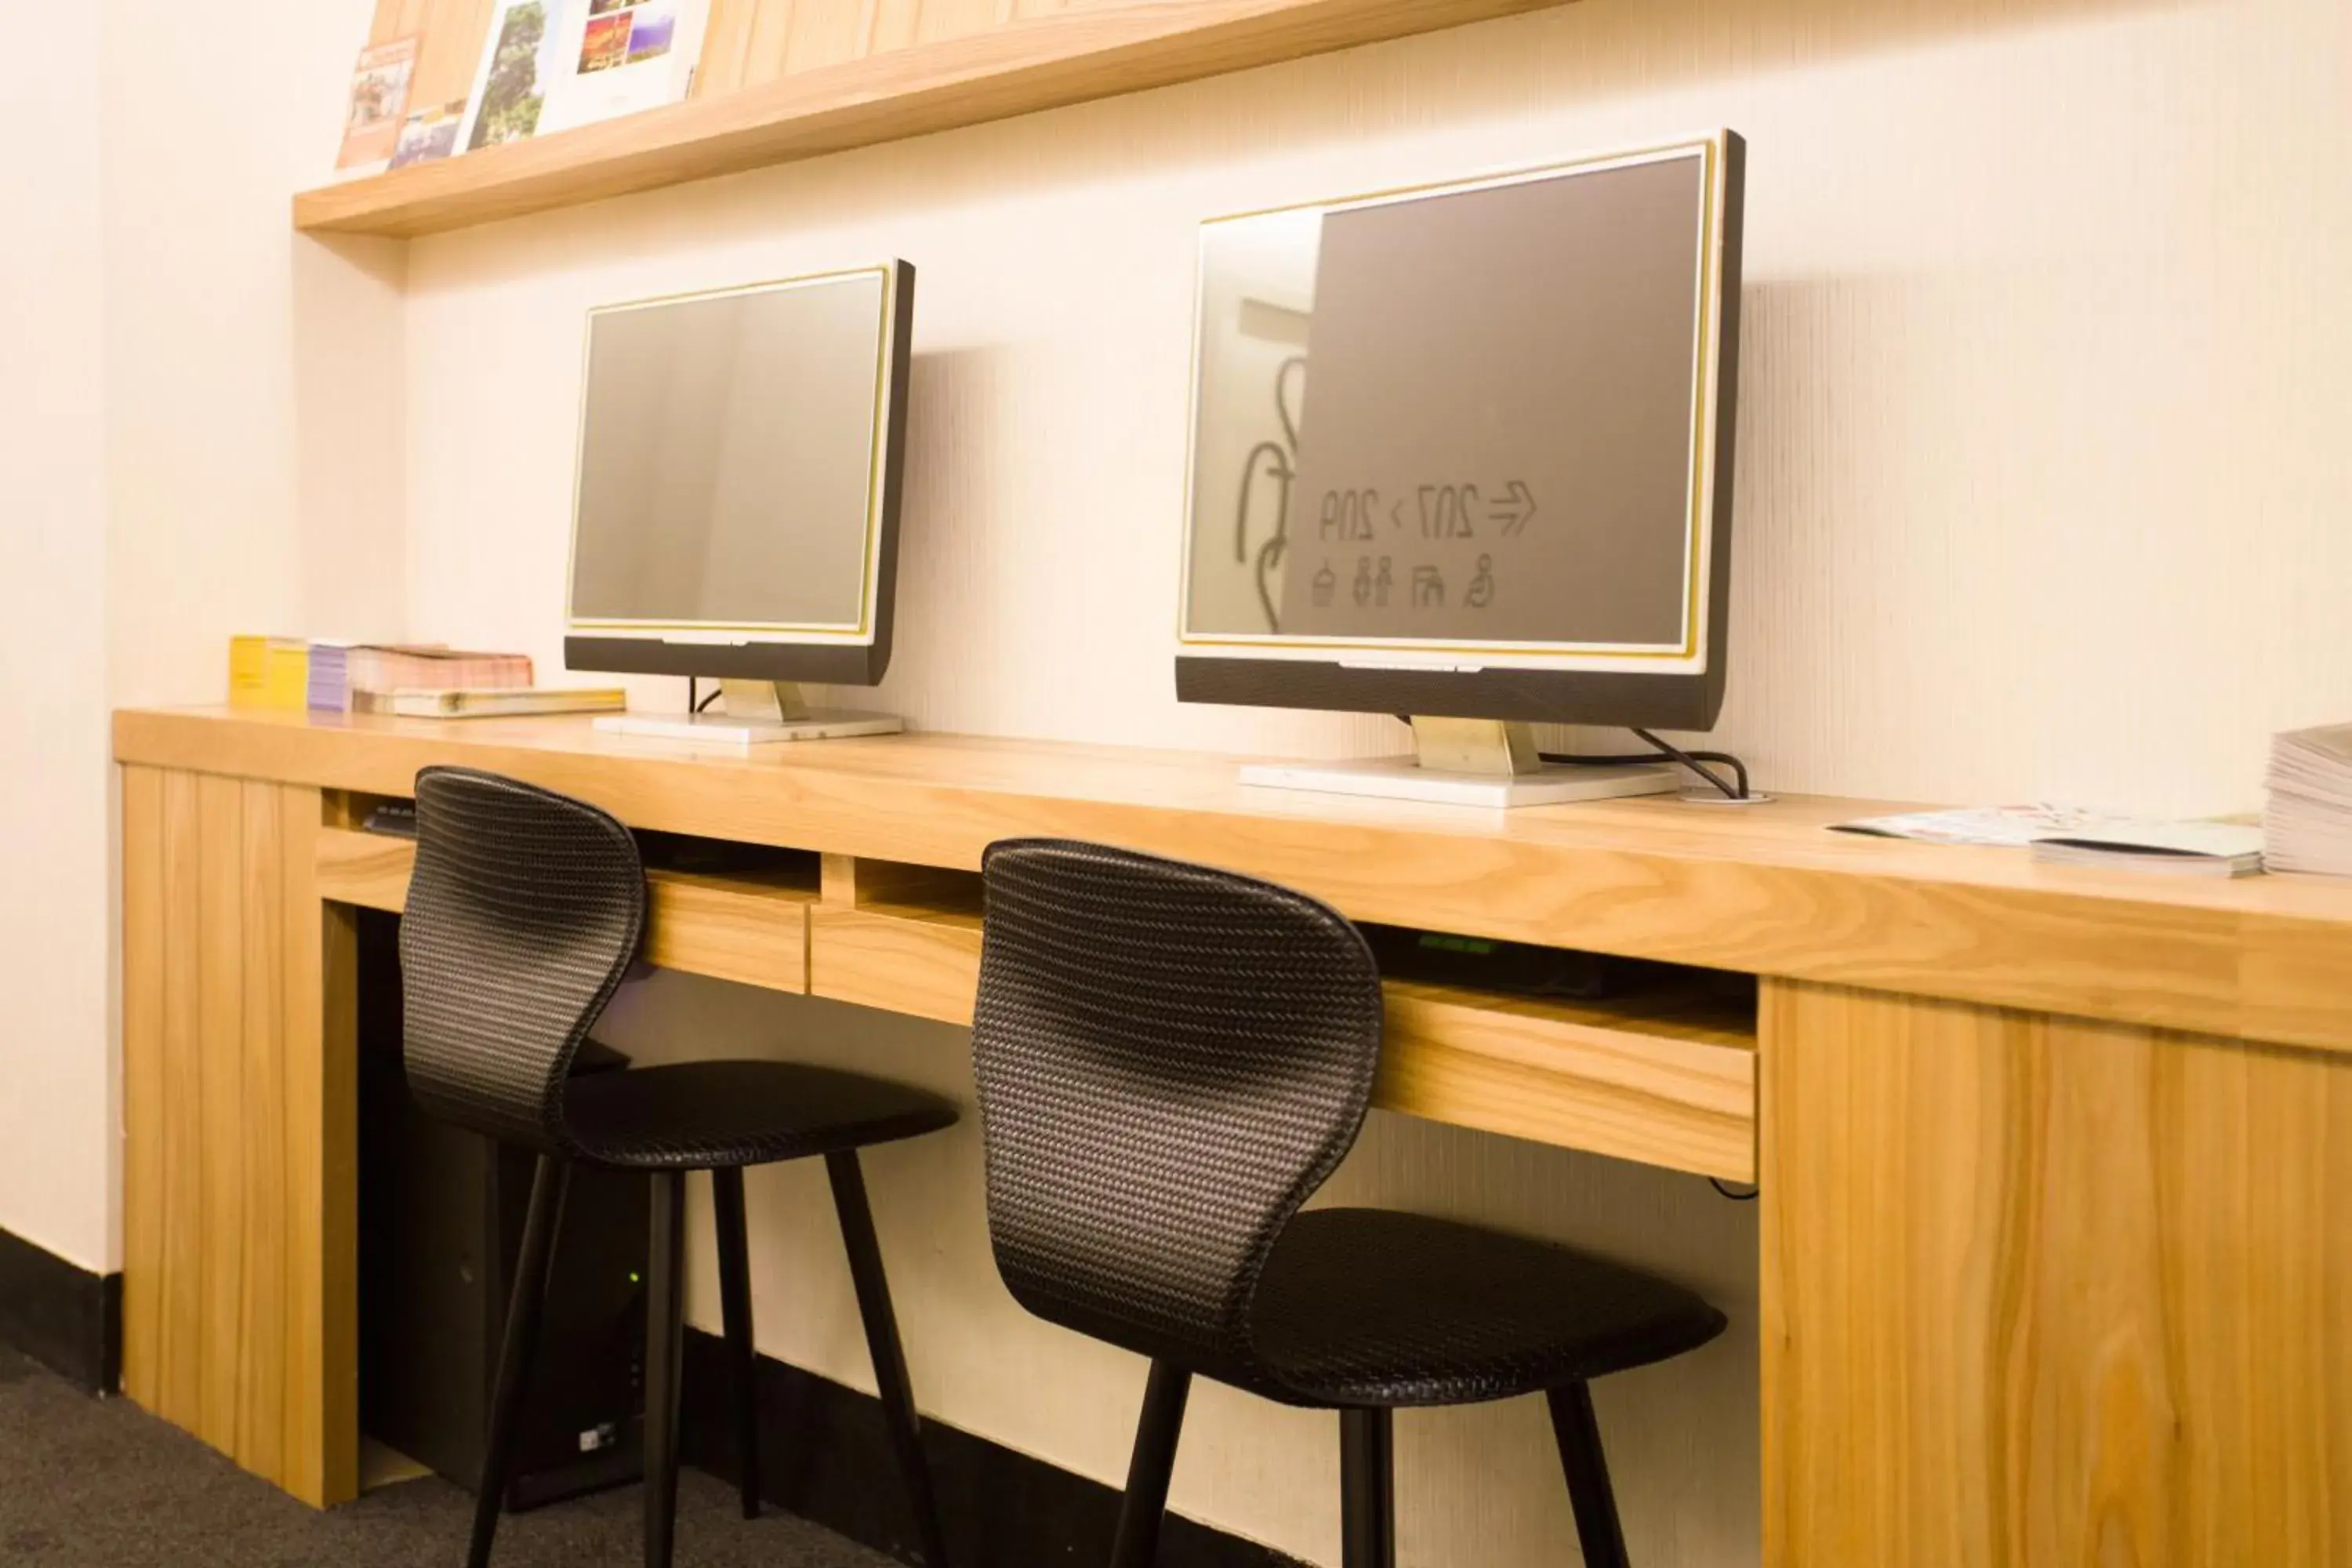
[1404, 778]
[1468, 762]
[754, 713]
[725, 730]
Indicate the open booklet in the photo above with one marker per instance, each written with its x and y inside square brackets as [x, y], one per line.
[2074, 837]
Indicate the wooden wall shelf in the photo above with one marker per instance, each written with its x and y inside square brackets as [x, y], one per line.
[1093, 49]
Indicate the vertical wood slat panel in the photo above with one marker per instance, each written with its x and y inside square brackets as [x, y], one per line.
[768, 40]
[2041, 1290]
[180, 1349]
[219, 1168]
[143, 1102]
[240, 1129]
[262, 1319]
[726, 44]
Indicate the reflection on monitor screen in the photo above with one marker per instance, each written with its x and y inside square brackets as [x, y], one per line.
[1471, 418]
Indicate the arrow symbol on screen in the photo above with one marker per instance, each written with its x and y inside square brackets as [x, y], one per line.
[1513, 511]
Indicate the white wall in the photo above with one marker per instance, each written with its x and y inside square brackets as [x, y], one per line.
[2042, 477]
[55, 1076]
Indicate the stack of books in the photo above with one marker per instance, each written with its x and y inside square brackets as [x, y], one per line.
[347, 678]
[2308, 823]
[417, 680]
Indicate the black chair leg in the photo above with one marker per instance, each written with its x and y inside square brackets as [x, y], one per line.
[882, 1344]
[1368, 1488]
[1589, 1491]
[524, 1306]
[1150, 1466]
[735, 1304]
[665, 1349]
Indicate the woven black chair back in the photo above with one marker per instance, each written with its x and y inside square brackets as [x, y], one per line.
[1169, 1060]
[525, 910]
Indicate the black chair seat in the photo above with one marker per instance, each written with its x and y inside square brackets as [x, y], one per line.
[1367, 1308]
[697, 1116]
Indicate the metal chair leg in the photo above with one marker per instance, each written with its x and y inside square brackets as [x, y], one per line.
[665, 1349]
[882, 1342]
[1150, 1466]
[735, 1305]
[1589, 1491]
[524, 1306]
[1368, 1488]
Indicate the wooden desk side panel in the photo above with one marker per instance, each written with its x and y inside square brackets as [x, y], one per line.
[2043, 1291]
[240, 1121]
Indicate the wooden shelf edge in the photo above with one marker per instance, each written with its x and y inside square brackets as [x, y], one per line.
[1048, 62]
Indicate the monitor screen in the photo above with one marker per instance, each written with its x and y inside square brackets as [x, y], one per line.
[731, 451]
[1465, 427]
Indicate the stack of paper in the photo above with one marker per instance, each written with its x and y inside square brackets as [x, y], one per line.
[2308, 824]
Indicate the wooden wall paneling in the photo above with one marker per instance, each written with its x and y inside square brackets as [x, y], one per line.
[768, 40]
[143, 1099]
[450, 35]
[936, 21]
[726, 46]
[825, 33]
[2041, 1290]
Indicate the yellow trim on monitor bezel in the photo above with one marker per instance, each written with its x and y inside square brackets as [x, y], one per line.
[863, 632]
[1698, 559]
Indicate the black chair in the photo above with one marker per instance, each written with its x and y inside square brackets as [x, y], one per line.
[525, 910]
[1170, 1061]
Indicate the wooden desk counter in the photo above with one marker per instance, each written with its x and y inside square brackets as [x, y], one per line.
[2056, 1164]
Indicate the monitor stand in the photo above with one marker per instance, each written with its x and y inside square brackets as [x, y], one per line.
[754, 713]
[1468, 762]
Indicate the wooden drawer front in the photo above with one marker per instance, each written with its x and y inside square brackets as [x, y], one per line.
[1664, 1088]
[928, 966]
[751, 932]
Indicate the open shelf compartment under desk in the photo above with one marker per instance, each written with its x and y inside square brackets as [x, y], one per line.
[1665, 1076]
[749, 927]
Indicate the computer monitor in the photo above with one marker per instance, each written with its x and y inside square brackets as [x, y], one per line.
[1463, 452]
[735, 508]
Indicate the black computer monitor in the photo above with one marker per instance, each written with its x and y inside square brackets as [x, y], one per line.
[1465, 450]
[736, 506]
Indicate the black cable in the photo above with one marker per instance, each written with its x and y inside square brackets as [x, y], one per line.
[1737, 790]
[1718, 1183]
[716, 693]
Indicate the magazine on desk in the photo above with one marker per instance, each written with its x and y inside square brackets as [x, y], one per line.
[2072, 836]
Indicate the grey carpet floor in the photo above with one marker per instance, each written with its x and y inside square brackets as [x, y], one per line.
[100, 1482]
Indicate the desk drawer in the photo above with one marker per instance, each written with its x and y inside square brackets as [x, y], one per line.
[746, 929]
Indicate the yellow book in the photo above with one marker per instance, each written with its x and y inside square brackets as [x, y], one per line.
[286, 682]
[269, 672]
[248, 671]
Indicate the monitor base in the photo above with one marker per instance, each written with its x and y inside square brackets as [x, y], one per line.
[1404, 778]
[726, 730]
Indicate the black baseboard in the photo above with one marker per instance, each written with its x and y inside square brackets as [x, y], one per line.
[61, 1315]
[824, 1455]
